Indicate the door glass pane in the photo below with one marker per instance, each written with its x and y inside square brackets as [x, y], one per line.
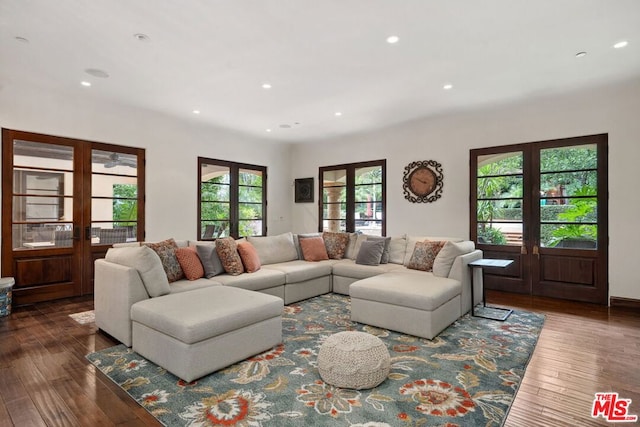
[215, 196]
[249, 228]
[568, 197]
[499, 198]
[114, 197]
[334, 194]
[42, 195]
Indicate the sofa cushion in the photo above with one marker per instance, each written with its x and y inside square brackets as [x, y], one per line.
[190, 285]
[424, 253]
[273, 249]
[349, 268]
[351, 246]
[210, 260]
[264, 278]
[190, 263]
[188, 317]
[336, 244]
[300, 271]
[227, 250]
[313, 249]
[370, 252]
[448, 254]
[166, 250]
[422, 291]
[147, 262]
[249, 257]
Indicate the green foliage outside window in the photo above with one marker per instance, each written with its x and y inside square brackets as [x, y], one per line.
[125, 204]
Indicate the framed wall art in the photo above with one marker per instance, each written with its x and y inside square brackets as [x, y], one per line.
[304, 190]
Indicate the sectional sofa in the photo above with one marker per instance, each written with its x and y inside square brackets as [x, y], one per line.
[391, 290]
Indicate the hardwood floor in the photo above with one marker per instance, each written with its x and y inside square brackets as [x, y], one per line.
[45, 379]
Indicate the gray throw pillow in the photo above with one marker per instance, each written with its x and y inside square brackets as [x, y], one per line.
[370, 252]
[210, 260]
[385, 253]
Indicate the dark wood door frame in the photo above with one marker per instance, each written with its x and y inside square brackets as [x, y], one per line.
[568, 273]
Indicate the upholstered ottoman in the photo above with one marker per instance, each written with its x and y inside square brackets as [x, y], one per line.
[407, 303]
[192, 334]
[353, 359]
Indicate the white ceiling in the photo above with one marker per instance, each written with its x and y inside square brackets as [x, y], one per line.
[320, 56]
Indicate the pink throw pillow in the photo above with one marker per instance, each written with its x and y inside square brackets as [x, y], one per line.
[190, 263]
[249, 256]
[313, 249]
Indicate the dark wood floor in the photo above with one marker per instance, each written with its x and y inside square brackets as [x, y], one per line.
[45, 379]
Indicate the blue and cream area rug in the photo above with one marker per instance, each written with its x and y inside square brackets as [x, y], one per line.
[467, 376]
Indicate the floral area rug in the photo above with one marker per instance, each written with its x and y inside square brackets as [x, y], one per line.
[466, 376]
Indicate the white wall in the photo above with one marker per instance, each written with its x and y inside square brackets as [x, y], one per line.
[448, 139]
[172, 148]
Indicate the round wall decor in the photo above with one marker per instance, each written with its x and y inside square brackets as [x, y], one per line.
[422, 181]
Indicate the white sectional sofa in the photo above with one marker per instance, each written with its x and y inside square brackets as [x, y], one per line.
[121, 281]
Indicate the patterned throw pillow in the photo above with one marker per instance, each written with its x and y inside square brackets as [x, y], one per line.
[166, 250]
[190, 263]
[313, 248]
[249, 256]
[227, 250]
[424, 254]
[335, 243]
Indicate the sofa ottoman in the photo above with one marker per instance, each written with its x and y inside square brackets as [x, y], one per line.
[418, 304]
[192, 334]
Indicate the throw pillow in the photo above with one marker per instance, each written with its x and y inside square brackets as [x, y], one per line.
[249, 256]
[227, 250]
[385, 253]
[313, 248]
[296, 241]
[190, 263]
[166, 250]
[370, 252]
[335, 243]
[448, 254]
[424, 253]
[148, 264]
[210, 260]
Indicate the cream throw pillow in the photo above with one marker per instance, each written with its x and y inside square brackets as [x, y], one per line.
[147, 262]
[448, 254]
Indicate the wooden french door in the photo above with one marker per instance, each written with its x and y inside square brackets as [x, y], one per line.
[544, 205]
[64, 203]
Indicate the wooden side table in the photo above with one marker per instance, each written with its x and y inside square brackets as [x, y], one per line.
[482, 264]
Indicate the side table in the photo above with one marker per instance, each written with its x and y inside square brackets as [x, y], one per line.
[481, 264]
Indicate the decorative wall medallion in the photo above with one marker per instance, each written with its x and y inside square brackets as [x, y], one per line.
[304, 190]
[422, 181]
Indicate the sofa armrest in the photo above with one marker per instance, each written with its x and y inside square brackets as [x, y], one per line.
[460, 271]
[116, 289]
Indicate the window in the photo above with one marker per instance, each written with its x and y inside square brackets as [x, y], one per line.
[232, 199]
[353, 198]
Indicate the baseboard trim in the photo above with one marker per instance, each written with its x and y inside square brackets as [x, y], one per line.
[624, 302]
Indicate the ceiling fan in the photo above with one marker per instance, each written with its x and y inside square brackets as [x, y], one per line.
[116, 160]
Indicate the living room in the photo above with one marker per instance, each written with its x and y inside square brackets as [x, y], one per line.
[173, 143]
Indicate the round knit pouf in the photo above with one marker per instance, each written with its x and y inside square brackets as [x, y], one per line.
[353, 360]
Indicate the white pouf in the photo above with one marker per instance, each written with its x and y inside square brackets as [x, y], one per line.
[353, 359]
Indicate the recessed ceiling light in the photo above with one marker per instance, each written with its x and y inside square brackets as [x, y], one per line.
[393, 39]
[196, 111]
[141, 37]
[447, 86]
[266, 86]
[85, 83]
[22, 39]
[581, 54]
[268, 130]
[338, 113]
[96, 72]
[621, 44]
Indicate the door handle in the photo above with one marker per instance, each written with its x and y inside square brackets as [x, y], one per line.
[76, 233]
[523, 250]
[536, 251]
[87, 233]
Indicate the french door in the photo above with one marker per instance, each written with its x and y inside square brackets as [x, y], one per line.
[544, 205]
[64, 203]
